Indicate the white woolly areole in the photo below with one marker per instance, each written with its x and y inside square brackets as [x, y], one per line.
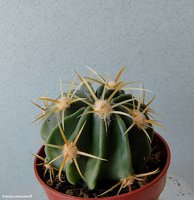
[70, 150]
[102, 108]
[63, 103]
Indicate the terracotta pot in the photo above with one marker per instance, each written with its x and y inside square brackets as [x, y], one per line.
[150, 191]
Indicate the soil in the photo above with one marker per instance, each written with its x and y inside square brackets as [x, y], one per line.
[156, 161]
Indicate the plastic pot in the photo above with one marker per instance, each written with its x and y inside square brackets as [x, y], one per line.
[150, 191]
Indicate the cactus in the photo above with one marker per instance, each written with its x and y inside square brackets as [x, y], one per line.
[93, 135]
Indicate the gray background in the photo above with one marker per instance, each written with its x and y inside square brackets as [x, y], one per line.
[42, 41]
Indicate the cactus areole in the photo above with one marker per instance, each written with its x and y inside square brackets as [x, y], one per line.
[97, 131]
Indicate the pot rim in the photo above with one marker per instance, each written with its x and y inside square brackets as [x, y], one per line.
[148, 185]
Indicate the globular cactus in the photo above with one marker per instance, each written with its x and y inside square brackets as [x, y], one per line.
[94, 135]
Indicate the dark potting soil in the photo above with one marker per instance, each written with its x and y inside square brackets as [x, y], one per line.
[157, 160]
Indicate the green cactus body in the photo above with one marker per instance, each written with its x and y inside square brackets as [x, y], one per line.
[125, 153]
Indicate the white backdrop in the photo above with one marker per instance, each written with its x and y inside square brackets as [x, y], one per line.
[43, 41]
